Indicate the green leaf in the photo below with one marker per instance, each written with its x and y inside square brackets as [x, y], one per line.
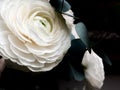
[83, 33]
[77, 47]
[103, 55]
[106, 59]
[78, 76]
[60, 5]
[72, 37]
[76, 53]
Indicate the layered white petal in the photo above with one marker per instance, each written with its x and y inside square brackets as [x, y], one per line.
[94, 70]
[3, 38]
[69, 19]
[33, 34]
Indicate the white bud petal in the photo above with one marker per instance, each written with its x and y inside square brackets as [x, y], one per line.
[94, 70]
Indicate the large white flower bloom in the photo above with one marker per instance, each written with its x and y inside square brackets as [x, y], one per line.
[32, 34]
[94, 71]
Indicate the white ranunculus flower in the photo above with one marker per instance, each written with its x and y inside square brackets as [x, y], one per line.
[94, 71]
[32, 34]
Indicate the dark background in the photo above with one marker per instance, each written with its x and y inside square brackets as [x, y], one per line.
[98, 15]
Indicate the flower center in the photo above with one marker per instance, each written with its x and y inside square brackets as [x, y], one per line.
[42, 24]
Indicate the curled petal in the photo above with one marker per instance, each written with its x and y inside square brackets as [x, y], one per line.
[47, 67]
[17, 44]
[25, 56]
